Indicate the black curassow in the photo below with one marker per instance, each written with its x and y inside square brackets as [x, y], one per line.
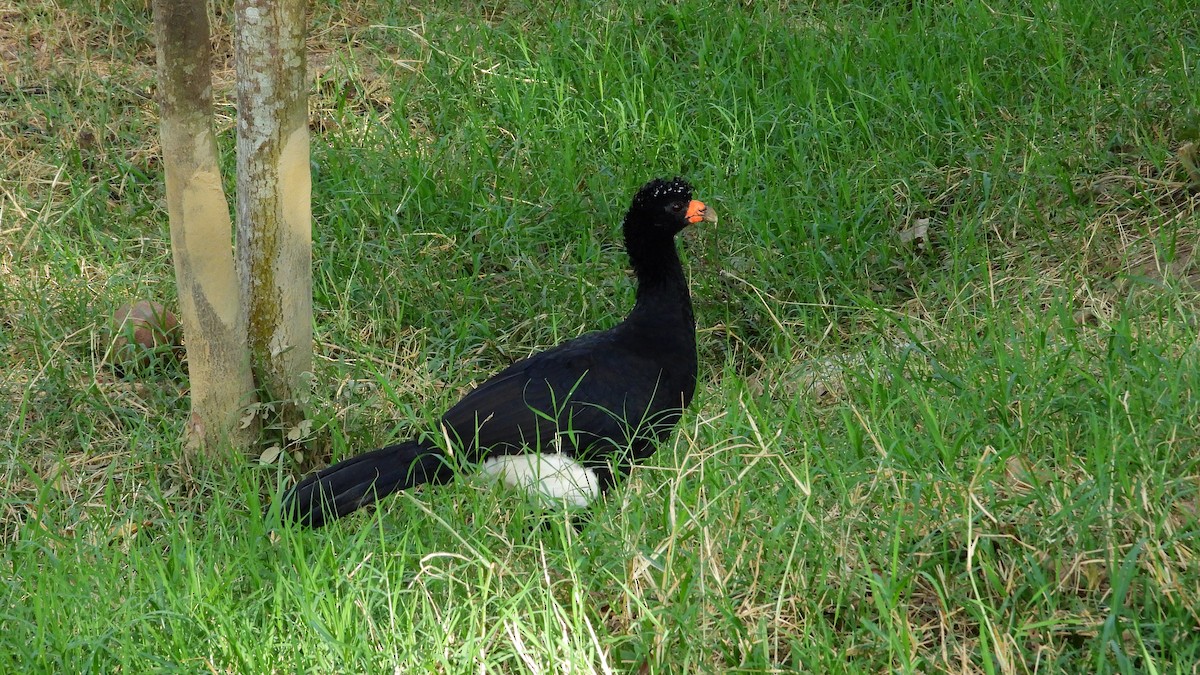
[563, 420]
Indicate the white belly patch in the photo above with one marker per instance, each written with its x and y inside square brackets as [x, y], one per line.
[555, 476]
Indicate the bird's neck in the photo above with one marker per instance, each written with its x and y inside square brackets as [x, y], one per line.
[662, 290]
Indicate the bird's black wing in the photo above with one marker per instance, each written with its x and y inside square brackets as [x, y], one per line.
[588, 397]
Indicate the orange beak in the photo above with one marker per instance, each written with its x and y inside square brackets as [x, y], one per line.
[697, 212]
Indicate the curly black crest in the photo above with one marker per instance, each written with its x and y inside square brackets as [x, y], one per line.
[659, 191]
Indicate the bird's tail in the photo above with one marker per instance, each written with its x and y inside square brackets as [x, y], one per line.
[351, 484]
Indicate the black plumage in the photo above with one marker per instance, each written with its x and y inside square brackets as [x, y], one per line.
[603, 400]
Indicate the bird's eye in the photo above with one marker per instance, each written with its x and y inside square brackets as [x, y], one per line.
[677, 207]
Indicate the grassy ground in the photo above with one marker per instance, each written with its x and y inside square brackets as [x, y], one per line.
[947, 418]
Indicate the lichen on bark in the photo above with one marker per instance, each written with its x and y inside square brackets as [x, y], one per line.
[274, 199]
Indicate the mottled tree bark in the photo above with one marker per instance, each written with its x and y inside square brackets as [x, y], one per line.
[273, 207]
[201, 233]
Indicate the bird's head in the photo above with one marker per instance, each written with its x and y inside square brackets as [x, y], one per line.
[665, 206]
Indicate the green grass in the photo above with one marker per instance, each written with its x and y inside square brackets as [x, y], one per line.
[974, 452]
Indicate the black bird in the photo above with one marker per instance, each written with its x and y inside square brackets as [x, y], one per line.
[561, 421]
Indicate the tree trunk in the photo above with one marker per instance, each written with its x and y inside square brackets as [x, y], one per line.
[201, 233]
[273, 206]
